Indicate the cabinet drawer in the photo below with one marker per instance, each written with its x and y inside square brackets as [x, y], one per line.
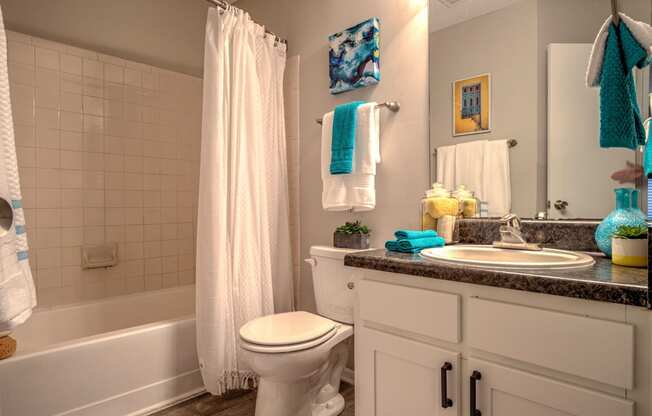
[421, 311]
[591, 348]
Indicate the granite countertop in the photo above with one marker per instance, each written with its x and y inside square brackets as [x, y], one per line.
[602, 282]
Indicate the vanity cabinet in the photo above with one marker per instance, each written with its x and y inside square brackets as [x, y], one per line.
[405, 377]
[498, 351]
[496, 390]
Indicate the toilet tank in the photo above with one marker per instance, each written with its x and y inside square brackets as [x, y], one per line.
[333, 282]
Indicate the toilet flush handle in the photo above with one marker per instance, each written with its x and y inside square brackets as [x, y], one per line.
[312, 262]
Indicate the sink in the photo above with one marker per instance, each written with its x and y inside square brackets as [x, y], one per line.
[500, 258]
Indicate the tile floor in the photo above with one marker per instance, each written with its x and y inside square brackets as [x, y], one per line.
[237, 404]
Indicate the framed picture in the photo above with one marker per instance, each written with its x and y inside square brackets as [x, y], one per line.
[472, 105]
[354, 57]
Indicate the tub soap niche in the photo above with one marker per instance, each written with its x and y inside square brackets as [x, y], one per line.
[101, 255]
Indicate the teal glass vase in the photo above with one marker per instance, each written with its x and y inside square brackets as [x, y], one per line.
[624, 214]
[636, 210]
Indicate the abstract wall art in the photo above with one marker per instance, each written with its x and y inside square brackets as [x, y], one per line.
[354, 57]
[472, 105]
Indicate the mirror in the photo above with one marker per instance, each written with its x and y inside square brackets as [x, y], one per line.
[514, 71]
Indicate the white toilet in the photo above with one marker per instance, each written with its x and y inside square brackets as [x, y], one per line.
[300, 356]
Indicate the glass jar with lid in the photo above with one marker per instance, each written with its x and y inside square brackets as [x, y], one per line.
[468, 203]
[436, 204]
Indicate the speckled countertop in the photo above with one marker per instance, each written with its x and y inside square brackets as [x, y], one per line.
[602, 282]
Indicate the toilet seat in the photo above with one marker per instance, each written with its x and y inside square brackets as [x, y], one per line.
[279, 349]
[286, 332]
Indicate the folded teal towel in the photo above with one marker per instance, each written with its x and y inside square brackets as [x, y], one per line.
[343, 144]
[415, 245]
[411, 235]
[620, 117]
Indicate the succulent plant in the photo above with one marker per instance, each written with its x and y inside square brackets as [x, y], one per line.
[627, 232]
[352, 228]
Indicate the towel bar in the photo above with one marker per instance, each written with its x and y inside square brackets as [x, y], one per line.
[510, 143]
[393, 106]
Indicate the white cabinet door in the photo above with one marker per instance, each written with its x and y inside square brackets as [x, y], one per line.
[400, 377]
[502, 391]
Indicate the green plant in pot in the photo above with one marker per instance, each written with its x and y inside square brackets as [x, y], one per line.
[352, 235]
[629, 246]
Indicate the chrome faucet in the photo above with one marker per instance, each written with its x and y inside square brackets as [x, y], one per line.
[511, 236]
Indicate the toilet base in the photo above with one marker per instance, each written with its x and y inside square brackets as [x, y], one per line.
[315, 395]
[332, 407]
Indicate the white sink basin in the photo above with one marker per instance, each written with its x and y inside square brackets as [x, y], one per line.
[500, 258]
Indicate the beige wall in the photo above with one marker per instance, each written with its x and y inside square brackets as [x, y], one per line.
[108, 151]
[165, 33]
[403, 174]
[503, 43]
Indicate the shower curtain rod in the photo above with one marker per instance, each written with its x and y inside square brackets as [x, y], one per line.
[225, 6]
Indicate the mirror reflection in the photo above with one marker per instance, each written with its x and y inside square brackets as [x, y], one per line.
[511, 116]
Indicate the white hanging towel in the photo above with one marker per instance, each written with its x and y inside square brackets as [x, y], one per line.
[497, 188]
[642, 33]
[355, 191]
[446, 166]
[17, 293]
[469, 166]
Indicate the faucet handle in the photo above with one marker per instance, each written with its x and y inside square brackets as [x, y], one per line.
[512, 220]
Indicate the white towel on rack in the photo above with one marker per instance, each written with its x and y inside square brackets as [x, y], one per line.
[469, 166]
[642, 33]
[446, 166]
[17, 293]
[357, 190]
[497, 187]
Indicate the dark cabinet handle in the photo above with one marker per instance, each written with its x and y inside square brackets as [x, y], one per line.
[475, 377]
[445, 401]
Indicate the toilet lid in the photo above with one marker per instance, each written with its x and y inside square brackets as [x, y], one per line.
[286, 328]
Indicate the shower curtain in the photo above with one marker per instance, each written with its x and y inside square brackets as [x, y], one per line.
[244, 264]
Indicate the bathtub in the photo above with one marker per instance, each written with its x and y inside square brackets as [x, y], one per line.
[129, 355]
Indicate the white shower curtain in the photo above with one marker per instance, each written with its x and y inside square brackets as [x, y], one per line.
[243, 245]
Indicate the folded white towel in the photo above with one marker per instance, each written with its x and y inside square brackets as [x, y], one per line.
[17, 293]
[446, 166]
[357, 190]
[642, 33]
[497, 188]
[469, 166]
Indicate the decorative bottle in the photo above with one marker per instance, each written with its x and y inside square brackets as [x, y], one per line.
[624, 214]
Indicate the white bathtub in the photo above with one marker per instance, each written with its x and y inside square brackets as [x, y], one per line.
[123, 356]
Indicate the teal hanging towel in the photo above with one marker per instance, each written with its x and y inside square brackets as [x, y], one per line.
[620, 118]
[345, 120]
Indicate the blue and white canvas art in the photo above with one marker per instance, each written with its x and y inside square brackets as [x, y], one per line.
[354, 57]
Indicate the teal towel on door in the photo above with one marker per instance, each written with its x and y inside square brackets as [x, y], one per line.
[343, 143]
[411, 235]
[415, 245]
[620, 117]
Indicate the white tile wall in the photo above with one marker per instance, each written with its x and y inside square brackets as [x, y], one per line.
[108, 151]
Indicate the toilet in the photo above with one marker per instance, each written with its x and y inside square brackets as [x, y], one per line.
[299, 356]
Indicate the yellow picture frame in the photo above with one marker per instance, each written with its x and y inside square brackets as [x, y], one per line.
[472, 105]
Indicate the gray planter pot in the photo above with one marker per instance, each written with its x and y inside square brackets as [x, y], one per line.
[355, 241]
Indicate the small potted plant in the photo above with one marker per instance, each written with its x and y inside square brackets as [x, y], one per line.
[351, 235]
[629, 246]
